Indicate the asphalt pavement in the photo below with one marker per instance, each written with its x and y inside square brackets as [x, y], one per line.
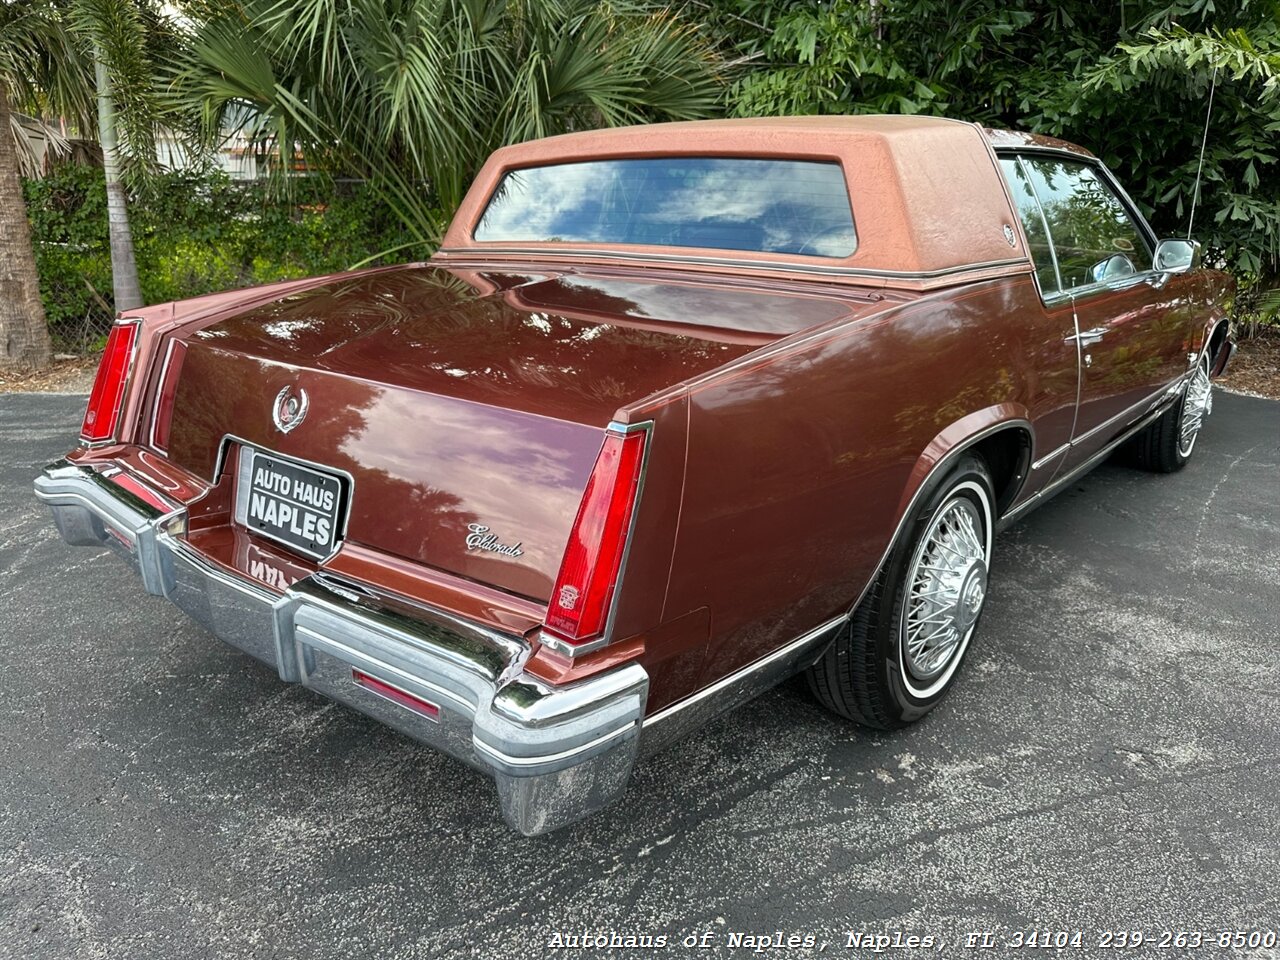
[1107, 761]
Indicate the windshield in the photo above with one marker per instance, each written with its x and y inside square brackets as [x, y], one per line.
[764, 206]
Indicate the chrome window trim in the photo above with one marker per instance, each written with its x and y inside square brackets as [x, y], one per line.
[1048, 235]
[1126, 202]
[1055, 300]
[547, 636]
[155, 401]
[830, 161]
[480, 252]
[1118, 285]
[1060, 154]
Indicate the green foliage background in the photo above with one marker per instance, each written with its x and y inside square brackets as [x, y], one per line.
[1130, 80]
[194, 233]
[409, 96]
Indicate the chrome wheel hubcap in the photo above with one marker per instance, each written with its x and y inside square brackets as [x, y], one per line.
[946, 587]
[972, 594]
[1196, 405]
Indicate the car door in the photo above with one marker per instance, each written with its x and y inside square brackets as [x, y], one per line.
[1131, 322]
[1054, 350]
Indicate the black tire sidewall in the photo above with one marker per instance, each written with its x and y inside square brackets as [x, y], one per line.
[906, 706]
[1174, 456]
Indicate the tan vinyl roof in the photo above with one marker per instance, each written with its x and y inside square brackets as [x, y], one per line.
[928, 200]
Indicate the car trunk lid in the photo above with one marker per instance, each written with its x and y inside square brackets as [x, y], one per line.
[463, 411]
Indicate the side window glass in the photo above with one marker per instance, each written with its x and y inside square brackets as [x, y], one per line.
[1094, 237]
[1024, 197]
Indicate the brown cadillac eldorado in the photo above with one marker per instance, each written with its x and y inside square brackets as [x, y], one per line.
[675, 412]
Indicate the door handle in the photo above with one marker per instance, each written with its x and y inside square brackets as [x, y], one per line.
[1087, 338]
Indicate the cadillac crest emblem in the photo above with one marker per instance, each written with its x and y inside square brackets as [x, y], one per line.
[290, 408]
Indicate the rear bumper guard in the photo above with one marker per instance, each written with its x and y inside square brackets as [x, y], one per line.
[557, 754]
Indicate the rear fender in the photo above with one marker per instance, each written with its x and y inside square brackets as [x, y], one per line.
[941, 455]
[954, 440]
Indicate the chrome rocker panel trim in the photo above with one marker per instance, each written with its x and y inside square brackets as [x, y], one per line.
[685, 716]
[557, 754]
[1162, 404]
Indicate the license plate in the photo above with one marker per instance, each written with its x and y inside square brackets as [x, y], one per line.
[298, 506]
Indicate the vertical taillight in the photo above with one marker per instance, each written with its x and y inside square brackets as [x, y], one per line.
[578, 611]
[103, 414]
[162, 416]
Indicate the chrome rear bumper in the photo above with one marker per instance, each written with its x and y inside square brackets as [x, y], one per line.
[557, 753]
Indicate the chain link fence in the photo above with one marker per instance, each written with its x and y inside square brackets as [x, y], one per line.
[78, 308]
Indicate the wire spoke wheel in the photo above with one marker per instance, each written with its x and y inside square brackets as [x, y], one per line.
[946, 587]
[1197, 404]
[907, 635]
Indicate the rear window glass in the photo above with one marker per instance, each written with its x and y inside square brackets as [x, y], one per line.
[765, 206]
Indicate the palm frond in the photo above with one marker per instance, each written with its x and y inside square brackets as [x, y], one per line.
[118, 32]
[36, 141]
[44, 69]
[413, 95]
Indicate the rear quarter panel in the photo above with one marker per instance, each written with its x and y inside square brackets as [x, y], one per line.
[803, 456]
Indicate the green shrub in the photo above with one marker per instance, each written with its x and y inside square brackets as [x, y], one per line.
[1127, 80]
[193, 234]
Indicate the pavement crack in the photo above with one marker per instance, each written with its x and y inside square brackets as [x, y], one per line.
[1197, 541]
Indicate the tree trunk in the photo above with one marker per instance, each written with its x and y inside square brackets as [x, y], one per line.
[24, 336]
[124, 270]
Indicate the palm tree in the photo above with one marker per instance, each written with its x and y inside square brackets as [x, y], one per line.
[24, 338]
[414, 94]
[119, 38]
[32, 48]
[89, 61]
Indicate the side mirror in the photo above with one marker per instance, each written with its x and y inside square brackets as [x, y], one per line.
[1113, 267]
[1177, 256]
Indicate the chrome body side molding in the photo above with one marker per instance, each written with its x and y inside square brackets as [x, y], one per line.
[1051, 455]
[1139, 409]
[1075, 473]
[1080, 470]
[1146, 411]
[464, 254]
[673, 722]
